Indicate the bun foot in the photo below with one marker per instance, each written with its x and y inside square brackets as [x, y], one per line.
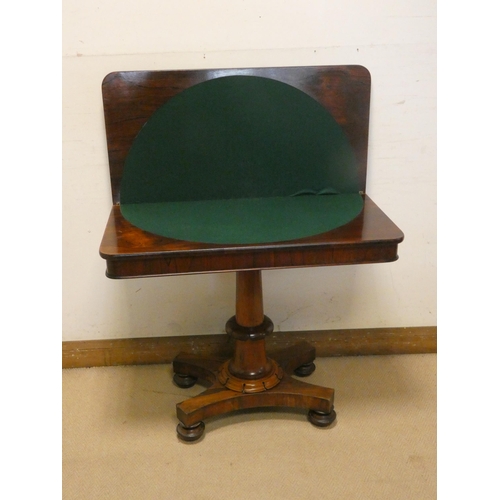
[305, 370]
[320, 419]
[191, 433]
[184, 381]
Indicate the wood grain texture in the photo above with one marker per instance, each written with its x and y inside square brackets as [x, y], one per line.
[249, 301]
[130, 98]
[328, 343]
[131, 252]
[220, 398]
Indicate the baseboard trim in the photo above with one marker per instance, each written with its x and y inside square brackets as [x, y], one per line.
[328, 343]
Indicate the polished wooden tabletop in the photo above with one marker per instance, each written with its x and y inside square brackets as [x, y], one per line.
[131, 252]
[129, 99]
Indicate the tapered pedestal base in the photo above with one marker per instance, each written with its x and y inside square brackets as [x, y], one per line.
[250, 379]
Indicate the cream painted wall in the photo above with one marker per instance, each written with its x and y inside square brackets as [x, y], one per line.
[395, 40]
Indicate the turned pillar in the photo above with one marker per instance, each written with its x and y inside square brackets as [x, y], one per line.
[249, 370]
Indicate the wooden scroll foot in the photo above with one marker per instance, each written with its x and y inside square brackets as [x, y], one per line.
[220, 399]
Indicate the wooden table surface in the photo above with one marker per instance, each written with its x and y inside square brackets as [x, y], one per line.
[131, 252]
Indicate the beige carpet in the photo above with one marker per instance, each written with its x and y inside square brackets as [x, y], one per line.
[119, 439]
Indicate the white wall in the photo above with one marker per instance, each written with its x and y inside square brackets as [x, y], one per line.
[395, 40]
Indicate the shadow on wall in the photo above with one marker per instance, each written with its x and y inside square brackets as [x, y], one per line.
[315, 298]
[175, 305]
[296, 298]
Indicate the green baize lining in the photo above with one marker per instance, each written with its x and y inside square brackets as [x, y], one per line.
[245, 220]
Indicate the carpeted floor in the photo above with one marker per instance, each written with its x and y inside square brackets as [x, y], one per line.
[119, 439]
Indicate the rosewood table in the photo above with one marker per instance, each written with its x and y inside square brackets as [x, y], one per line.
[237, 150]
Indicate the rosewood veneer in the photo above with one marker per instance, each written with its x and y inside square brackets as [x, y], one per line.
[250, 379]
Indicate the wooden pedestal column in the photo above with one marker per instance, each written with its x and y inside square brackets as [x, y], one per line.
[250, 379]
[249, 370]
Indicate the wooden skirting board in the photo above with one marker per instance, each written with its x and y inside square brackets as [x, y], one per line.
[158, 350]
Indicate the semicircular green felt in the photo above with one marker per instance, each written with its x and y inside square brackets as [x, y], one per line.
[245, 220]
[237, 137]
[240, 160]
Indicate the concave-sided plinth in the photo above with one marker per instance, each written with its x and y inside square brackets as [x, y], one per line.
[250, 379]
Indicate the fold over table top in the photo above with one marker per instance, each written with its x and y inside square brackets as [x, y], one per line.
[132, 252]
